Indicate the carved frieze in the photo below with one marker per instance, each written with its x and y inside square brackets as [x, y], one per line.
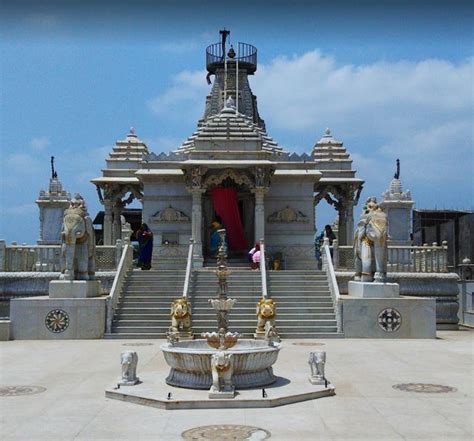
[169, 214]
[288, 215]
[217, 179]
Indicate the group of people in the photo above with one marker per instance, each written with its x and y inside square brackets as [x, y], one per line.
[144, 236]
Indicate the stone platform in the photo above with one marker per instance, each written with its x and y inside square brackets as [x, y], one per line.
[393, 318]
[43, 318]
[370, 290]
[153, 392]
[74, 289]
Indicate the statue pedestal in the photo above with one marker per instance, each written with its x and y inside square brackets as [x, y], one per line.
[373, 290]
[215, 393]
[74, 289]
[316, 380]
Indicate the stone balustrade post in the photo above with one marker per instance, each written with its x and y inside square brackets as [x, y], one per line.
[259, 212]
[196, 223]
[335, 253]
[118, 251]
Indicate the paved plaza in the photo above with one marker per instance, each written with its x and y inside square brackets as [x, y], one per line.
[75, 374]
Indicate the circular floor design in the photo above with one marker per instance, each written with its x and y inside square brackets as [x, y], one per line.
[307, 343]
[138, 344]
[225, 432]
[16, 391]
[424, 388]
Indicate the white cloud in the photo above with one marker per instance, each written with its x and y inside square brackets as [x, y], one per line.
[40, 143]
[184, 99]
[418, 111]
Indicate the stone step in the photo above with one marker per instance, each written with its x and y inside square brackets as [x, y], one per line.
[244, 330]
[122, 335]
[242, 315]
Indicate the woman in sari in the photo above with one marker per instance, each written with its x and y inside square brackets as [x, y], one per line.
[145, 246]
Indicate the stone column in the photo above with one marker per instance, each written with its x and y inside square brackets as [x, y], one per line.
[260, 212]
[107, 229]
[342, 231]
[196, 226]
[117, 228]
[350, 223]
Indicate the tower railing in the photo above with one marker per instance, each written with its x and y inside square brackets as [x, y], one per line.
[246, 54]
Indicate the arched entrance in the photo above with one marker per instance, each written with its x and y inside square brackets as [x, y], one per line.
[228, 200]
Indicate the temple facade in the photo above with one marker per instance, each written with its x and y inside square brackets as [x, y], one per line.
[230, 171]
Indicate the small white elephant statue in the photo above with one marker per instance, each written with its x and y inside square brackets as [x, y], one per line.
[129, 360]
[317, 361]
[222, 370]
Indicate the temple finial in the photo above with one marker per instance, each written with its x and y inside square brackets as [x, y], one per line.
[397, 173]
[54, 175]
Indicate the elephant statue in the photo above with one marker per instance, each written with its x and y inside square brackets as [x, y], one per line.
[78, 242]
[222, 370]
[370, 244]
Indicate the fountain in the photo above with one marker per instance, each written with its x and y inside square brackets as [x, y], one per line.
[222, 362]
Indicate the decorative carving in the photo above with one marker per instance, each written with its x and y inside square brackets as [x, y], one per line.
[221, 339]
[78, 242]
[370, 244]
[389, 319]
[222, 370]
[171, 251]
[239, 178]
[169, 214]
[266, 312]
[317, 361]
[271, 334]
[287, 215]
[129, 361]
[181, 317]
[193, 176]
[57, 321]
[263, 176]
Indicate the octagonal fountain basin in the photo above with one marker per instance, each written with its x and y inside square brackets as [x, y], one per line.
[190, 363]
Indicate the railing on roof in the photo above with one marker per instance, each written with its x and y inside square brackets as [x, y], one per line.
[246, 54]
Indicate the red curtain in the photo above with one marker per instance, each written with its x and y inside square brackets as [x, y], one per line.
[227, 207]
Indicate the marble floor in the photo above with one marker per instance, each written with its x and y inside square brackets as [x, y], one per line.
[365, 407]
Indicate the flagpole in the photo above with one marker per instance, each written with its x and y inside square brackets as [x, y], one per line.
[225, 75]
[237, 80]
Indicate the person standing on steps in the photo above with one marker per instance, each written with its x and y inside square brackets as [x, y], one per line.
[145, 246]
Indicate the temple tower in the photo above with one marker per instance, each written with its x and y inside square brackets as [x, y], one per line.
[52, 204]
[398, 205]
[231, 68]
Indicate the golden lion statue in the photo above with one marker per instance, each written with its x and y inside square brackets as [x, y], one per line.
[266, 312]
[181, 316]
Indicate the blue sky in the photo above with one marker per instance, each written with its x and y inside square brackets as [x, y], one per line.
[391, 81]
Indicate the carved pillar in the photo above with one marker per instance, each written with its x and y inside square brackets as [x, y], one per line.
[107, 232]
[117, 225]
[342, 231]
[350, 223]
[196, 226]
[259, 212]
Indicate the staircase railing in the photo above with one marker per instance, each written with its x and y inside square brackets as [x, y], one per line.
[124, 266]
[333, 287]
[263, 268]
[189, 267]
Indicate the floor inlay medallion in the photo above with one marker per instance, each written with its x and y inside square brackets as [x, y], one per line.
[225, 432]
[16, 391]
[138, 344]
[307, 343]
[424, 388]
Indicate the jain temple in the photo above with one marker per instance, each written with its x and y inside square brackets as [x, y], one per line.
[227, 187]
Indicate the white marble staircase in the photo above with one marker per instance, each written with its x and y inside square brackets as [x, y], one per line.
[304, 304]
